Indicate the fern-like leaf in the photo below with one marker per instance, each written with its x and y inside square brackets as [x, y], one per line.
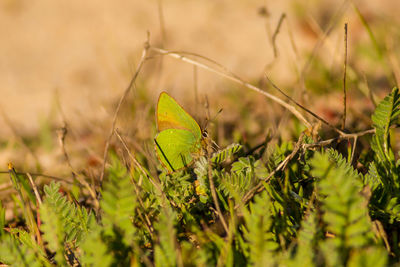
[345, 209]
[53, 232]
[15, 253]
[306, 243]
[385, 115]
[95, 251]
[369, 257]
[165, 250]
[223, 155]
[260, 239]
[26, 239]
[75, 220]
[119, 203]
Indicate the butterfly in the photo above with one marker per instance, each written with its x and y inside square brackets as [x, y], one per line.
[180, 137]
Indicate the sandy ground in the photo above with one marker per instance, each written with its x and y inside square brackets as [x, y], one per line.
[83, 53]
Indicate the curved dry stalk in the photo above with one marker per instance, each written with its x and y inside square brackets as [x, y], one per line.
[260, 186]
[42, 175]
[155, 183]
[341, 137]
[121, 100]
[213, 191]
[61, 138]
[344, 78]
[298, 147]
[276, 32]
[230, 76]
[304, 108]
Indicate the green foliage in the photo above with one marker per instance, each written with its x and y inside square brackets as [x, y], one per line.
[222, 155]
[53, 232]
[75, 220]
[261, 241]
[2, 219]
[17, 253]
[345, 208]
[118, 203]
[244, 174]
[95, 250]
[385, 115]
[306, 243]
[316, 210]
[165, 249]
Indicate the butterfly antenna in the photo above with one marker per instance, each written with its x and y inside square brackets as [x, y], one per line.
[213, 119]
[162, 152]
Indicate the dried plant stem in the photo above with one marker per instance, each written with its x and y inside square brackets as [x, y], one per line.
[61, 137]
[354, 149]
[260, 186]
[137, 187]
[299, 146]
[213, 191]
[121, 100]
[334, 19]
[341, 137]
[161, 21]
[156, 184]
[41, 175]
[230, 76]
[344, 77]
[35, 190]
[304, 108]
[276, 32]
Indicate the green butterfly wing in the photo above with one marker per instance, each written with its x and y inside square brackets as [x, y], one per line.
[170, 115]
[175, 147]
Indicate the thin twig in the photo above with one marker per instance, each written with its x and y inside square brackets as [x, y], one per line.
[121, 100]
[299, 146]
[234, 78]
[137, 187]
[260, 186]
[344, 77]
[156, 184]
[276, 32]
[213, 192]
[342, 137]
[370, 93]
[42, 175]
[335, 18]
[304, 108]
[35, 190]
[61, 137]
[354, 149]
[161, 21]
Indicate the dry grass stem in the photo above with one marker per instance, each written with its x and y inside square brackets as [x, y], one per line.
[304, 108]
[61, 137]
[344, 77]
[121, 100]
[235, 78]
[213, 191]
[156, 184]
[35, 190]
[276, 32]
[260, 186]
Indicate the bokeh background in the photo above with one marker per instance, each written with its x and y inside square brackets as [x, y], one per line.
[70, 61]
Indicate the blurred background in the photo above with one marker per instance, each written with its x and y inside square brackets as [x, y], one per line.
[68, 62]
